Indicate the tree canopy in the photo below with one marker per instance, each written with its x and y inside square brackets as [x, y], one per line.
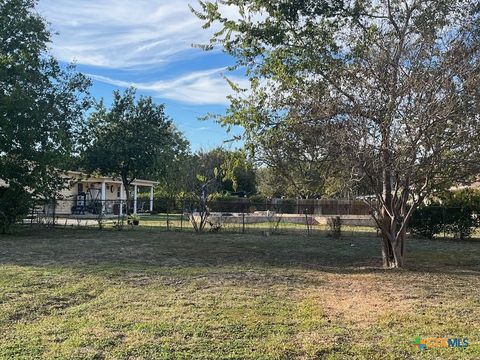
[41, 107]
[232, 171]
[130, 140]
[385, 93]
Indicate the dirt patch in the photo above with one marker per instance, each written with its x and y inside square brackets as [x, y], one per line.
[360, 300]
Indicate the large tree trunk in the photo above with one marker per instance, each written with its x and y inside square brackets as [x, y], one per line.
[392, 228]
[393, 241]
[393, 252]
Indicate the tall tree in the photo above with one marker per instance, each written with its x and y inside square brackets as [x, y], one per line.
[131, 140]
[301, 155]
[394, 84]
[41, 107]
[229, 171]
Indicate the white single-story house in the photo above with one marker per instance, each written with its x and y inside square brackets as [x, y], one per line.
[91, 194]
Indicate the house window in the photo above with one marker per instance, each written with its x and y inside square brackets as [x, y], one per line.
[118, 192]
[80, 188]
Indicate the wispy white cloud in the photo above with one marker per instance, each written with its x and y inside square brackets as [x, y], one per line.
[201, 88]
[123, 33]
[140, 35]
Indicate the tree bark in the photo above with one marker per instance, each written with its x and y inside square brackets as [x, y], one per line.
[393, 241]
[393, 248]
[392, 231]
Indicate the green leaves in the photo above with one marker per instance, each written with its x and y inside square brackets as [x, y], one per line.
[132, 139]
[336, 80]
[222, 171]
[41, 102]
[41, 109]
[379, 94]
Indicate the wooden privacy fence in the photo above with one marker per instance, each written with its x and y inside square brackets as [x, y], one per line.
[283, 206]
[323, 206]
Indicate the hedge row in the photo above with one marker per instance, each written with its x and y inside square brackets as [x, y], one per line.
[434, 220]
[456, 213]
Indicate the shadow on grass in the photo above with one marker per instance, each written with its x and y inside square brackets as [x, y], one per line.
[353, 253]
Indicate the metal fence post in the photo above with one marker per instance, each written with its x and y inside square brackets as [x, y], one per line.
[443, 222]
[54, 211]
[243, 220]
[118, 215]
[306, 222]
[168, 218]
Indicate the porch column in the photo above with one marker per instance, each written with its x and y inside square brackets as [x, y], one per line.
[121, 199]
[151, 199]
[104, 196]
[135, 189]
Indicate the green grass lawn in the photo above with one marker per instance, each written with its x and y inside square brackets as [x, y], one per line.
[143, 294]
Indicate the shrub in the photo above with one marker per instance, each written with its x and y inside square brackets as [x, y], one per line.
[426, 222]
[465, 198]
[258, 199]
[15, 204]
[460, 222]
[335, 226]
[223, 197]
[432, 220]
[218, 202]
[461, 217]
[258, 203]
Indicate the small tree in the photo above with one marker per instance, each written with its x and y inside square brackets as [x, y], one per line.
[198, 210]
[216, 170]
[132, 139]
[235, 170]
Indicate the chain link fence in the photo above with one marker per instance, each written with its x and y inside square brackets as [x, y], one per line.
[275, 216]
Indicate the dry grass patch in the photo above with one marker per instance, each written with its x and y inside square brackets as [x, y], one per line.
[359, 300]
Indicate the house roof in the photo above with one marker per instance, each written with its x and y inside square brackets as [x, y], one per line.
[80, 176]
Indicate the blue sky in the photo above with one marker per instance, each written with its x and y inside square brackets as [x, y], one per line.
[147, 44]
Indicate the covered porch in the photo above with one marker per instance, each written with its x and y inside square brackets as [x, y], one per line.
[106, 196]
